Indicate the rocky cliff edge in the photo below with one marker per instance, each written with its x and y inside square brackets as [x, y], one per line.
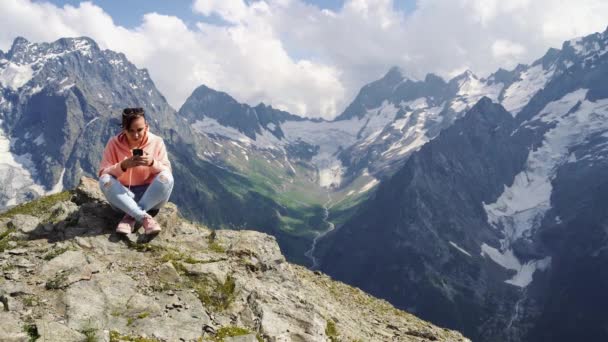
[65, 276]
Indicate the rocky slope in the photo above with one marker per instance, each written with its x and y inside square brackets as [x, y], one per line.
[67, 277]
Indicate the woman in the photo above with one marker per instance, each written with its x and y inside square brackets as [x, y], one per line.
[136, 183]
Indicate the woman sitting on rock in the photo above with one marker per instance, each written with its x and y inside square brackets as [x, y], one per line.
[135, 173]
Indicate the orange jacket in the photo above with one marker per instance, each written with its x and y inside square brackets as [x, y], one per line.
[117, 150]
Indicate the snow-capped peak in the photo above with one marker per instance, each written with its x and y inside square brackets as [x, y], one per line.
[589, 47]
[24, 60]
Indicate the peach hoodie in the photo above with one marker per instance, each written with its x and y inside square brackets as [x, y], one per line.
[118, 150]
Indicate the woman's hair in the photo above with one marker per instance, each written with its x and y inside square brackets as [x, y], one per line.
[130, 114]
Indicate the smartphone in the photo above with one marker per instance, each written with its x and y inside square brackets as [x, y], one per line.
[138, 152]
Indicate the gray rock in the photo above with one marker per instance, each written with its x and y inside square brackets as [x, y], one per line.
[23, 263]
[83, 242]
[88, 191]
[101, 245]
[258, 249]
[25, 224]
[168, 274]
[96, 303]
[217, 271]
[17, 251]
[14, 288]
[4, 224]
[175, 324]
[53, 331]
[140, 304]
[4, 300]
[61, 212]
[242, 338]
[68, 268]
[11, 328]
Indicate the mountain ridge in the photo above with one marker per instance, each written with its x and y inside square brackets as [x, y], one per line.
[514, 248]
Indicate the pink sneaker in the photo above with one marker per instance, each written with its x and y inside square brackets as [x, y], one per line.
[150, 225]
[126, 225]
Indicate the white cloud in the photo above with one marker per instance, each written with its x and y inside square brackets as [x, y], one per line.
[233, 10]
[309, 60]
[246, 60]
[502, 48]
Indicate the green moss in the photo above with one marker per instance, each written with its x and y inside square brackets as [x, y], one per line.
[55, 252]
[90, 334]
[331, 331]
[38, 206]
[231, 331]
[212, 294]
[7, 267]
[143, 315]
[143, 247]
[215, 247]
[57, 282]
[131, 320]
[5, 238]
[115, 336]
[32, 332]
[177, 256]
[213, 244]
[29, 300]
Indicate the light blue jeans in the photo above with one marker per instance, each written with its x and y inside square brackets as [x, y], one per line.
[140, 199]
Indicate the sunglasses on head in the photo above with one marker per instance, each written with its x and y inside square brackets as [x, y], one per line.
[133, 111]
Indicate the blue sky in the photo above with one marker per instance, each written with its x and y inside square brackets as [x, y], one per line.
[128, 13]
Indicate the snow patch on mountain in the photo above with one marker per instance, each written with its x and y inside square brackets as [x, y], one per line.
[83, 46]
[524, 272]
[589, 48]
[453, 244]
[368, 186]
[519, 210]
[518, 94]
[16, 176]
[209, 126]
[378, 118]
[419, 103]
[330, 137]
[39, 140]
[471, 89]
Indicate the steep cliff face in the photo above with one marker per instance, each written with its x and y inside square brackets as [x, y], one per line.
[503, 214]
[67, 277]
[422, 228]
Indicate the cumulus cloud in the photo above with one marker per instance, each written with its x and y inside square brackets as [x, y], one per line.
[246, 60]
[310, 60]
[507, 49]
[233, 11]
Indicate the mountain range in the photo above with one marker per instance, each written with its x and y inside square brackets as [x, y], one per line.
[476, 203]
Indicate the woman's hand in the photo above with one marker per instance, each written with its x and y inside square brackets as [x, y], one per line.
[145, 160]
[128, 163]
